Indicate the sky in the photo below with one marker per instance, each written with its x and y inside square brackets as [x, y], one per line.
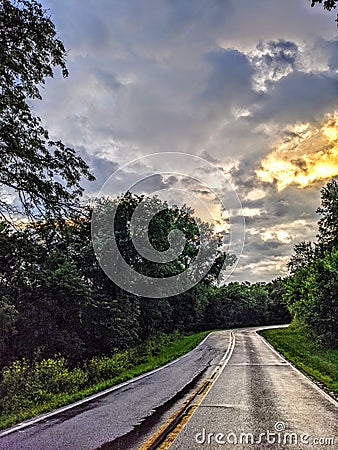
[248, 86]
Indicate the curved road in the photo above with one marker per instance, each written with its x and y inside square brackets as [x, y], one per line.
[255, 400]
[107, 418]
[259, 401]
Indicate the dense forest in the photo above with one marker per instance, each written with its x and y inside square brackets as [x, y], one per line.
[56, 299]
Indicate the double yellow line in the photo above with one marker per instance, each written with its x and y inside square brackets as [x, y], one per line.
[166, 434]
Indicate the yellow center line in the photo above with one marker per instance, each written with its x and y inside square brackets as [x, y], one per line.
[173, 426]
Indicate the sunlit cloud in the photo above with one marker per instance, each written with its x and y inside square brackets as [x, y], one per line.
[272, 60]
[284, 233]
[251, 212]
[255, 194]
[262, 267]
[279, 235]
[307, 154]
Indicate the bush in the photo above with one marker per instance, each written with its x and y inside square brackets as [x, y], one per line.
[23, 386]
[106, 368]
[29, 390]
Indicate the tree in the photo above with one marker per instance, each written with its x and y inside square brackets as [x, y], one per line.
[200, 258]
[277, 309]
[328, 223]
[327, 237]
[304, 253]
[8, 317]
[311, 292]
[43, 174]
[43, 296]
[312, 296]
[327, 4]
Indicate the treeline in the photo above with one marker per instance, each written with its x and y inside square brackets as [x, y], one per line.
[54, 297]
[311, 292]
[56, 300]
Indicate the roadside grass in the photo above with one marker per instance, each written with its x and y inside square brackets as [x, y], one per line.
[26, 391]
[299, 348]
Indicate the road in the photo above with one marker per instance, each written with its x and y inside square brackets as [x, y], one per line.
[250, 395]
[261, 396]
[124, 417]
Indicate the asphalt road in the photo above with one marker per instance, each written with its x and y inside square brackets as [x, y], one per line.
[259, 395]
[105, 420]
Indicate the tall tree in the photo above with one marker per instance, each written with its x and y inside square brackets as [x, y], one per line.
[43, 296]
[328, 223]
[312, 296]
[311, 290]
[304, 253]
[201, 251]
[42, 174]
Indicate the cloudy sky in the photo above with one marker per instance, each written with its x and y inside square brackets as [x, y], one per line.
[249, 86]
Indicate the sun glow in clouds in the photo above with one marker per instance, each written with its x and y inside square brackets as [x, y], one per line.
[308, 154]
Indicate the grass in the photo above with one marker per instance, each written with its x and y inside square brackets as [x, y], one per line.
[28, 391]
[299, 348]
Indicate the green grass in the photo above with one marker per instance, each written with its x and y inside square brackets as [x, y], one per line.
[26, 391]
[298, 347]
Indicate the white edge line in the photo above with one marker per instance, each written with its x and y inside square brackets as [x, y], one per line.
[46, 416]
[327, 396]
[224, 361]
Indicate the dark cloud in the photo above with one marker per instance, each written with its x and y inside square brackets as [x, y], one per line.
[229, 82]
[300, 97]
[169, 75]
[100, 167]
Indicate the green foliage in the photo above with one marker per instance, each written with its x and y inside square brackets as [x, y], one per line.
[164, 220]
[304, 252]
[27, 390]
[311, 292]
[236, 305]
[44, 175]
[44, 286]
[328, 223]
[106, 368]
[56, 298]
[312, 296]
[298, 346]
[23, 387]
[8, 317]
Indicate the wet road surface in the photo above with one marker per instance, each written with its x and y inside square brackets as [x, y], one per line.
[260, 401]
[106, 420]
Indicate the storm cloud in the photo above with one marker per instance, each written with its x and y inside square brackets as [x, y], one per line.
[220, 79]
